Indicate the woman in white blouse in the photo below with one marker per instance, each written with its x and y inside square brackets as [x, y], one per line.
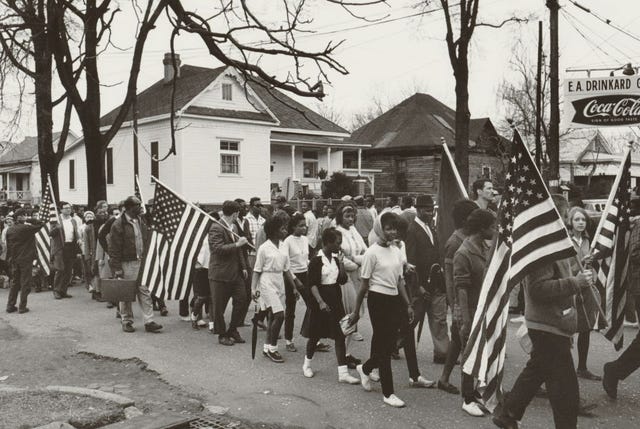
[353, 248]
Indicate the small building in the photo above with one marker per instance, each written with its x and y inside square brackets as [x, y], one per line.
[232, 139]
[406, 145]
[591, 162]
[20, 170]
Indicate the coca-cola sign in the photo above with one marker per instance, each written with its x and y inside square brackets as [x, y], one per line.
[602, 102]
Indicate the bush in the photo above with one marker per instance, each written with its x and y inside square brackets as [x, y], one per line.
[338, 185]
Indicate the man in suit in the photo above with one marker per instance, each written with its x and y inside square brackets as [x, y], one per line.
[65, 245]
[422, 251]
[228, 271]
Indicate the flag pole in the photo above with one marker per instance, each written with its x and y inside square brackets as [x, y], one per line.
[53, 197]
[190, 204]
[463, 189]
[137, 179]
[612, 194]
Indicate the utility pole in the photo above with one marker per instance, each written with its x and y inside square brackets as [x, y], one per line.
[553, 145]
[134, 107]
[539, 100]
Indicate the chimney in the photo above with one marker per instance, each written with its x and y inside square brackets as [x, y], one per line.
[168, 66]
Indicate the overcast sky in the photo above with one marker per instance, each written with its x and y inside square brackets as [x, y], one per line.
[391, 60]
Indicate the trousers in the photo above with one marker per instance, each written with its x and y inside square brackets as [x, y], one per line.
[385, 312]
[222, 292]
[20, 284]
[62, 278]
[551, 363]
[130, 272]
[437, 317]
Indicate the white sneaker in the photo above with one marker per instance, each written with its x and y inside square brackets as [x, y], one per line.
[473, 409]
[375, 375]
[201, 323]
[345, 377]
[364, 379]
[185, 318]
[394, 401]
[307, 371]
[422, 382]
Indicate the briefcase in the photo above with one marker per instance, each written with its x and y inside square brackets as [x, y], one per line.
[119, 290]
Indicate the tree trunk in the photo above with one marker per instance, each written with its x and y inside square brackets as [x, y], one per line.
[44, 107]
[95, 154]
[463, 116]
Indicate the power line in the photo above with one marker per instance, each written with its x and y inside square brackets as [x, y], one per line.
[605, 20]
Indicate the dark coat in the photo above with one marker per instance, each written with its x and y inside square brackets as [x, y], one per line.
[227, 260]
[122, 241]
[57, 243]
[423, 253]
[469, 265]
[21, 244]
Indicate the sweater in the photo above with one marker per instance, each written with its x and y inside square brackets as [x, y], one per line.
[549, 294]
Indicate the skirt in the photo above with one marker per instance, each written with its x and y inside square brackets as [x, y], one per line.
[323, 324]
[272, 292]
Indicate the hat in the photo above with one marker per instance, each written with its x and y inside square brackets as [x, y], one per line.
[424, 201]
[281, 199]
[346, 198]
[20, 212]
[358, 199]
[89, 213]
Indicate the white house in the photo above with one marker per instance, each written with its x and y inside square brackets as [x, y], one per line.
[230, 142]
[20, 170]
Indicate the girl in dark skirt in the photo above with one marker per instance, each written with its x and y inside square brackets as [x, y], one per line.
[326, 274]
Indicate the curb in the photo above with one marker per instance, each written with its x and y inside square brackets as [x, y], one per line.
[122, 401]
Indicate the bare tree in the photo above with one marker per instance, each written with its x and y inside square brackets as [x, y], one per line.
[460, 30]
[235, 33]
[77, 65]
[26, 56]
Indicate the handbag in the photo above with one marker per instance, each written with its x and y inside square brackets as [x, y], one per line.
[344, 326]
[119, 290]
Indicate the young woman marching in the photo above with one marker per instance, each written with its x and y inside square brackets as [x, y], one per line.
[297, 247]
[267, 286]
[381, 277]
[587, 314]
[326, 273]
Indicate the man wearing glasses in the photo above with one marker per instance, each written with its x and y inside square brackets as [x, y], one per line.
[65, 245]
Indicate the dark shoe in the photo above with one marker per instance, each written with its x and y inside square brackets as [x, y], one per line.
[164, 312]
[609, 382]
[323, 347]
[448, 387]
[584, 409]
[12, 309]
[439, 360]
[118, 316]
[225, 341]
[152, 327]
[128, 327]
[57, 295]
[352, 362]
[23, 310]
[588, 375]
[291, 347]
[38, 289]
[99, 297]
[110, 305]
[275, 356]
[236, 337]
[502, 419]
[66, 295]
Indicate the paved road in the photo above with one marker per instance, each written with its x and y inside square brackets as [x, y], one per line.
[263, 391]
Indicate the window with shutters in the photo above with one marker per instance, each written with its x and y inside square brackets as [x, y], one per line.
[109, 165]
[72, 174]
[309, 163]
[155, 164]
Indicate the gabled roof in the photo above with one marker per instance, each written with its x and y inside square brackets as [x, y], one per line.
[26, 150]
[156, 101]
[417, 122]
[583, 142]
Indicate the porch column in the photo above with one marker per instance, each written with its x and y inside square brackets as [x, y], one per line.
[293, 162]
[359, 162]
[329, 161]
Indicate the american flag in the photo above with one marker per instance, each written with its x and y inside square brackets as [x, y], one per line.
[178, 230]
[611, 245]
[530, 235]
[47, 214]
